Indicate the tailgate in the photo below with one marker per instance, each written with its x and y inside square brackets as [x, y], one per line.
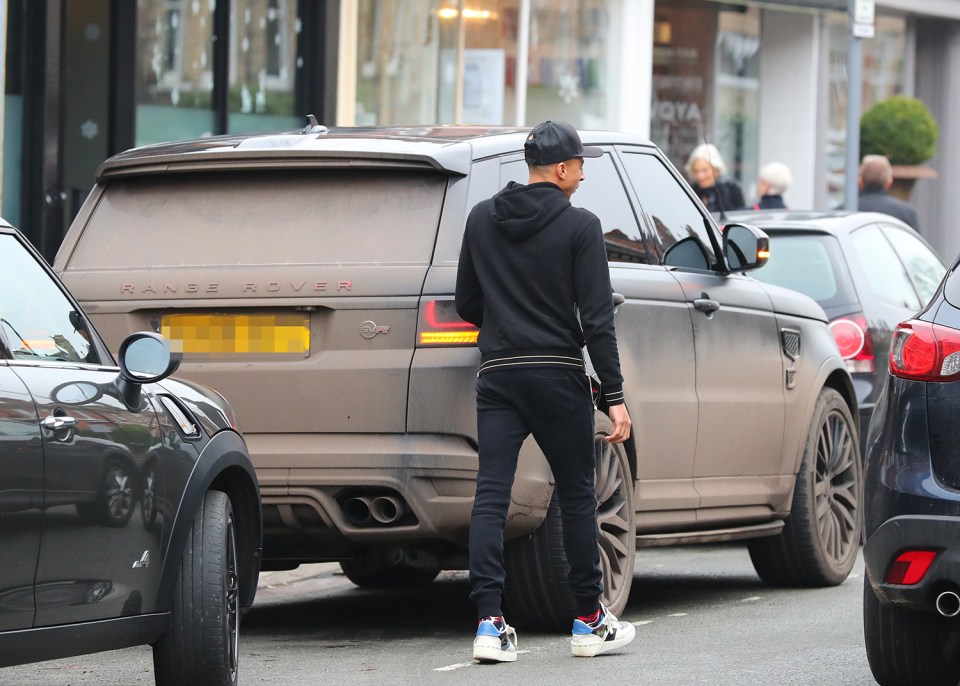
[294, 294]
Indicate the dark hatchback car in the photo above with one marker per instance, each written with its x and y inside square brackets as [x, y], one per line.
[911, 598]
[868, 271]
[129, 510]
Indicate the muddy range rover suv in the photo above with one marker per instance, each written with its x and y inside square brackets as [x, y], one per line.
[309, 277]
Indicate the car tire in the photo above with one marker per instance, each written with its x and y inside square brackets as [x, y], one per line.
[536, 592]
[374, 572]
[909, 647]
[115, 496]
[820, 539]
[200, 644]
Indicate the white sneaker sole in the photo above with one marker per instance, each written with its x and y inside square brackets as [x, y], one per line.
[487, 649]
[583, 646]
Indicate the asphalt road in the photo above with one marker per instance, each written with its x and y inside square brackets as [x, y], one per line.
[702, 617]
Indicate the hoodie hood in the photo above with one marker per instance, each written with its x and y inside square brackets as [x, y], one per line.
[521, 211]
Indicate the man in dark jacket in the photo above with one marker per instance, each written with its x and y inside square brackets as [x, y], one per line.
[876, 177]
[529, 262]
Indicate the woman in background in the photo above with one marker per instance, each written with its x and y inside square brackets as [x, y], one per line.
[775, 178]
[705, 169]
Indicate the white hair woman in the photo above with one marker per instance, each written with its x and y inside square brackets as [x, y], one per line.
[705, 170]
[775, 178]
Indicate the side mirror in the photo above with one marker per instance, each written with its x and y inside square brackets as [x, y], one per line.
[145, 357]
[745, 247]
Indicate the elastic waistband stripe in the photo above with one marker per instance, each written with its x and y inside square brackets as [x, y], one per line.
[530, 361]
[578, 360]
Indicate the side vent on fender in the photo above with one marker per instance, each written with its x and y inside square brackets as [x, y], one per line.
[790, 342]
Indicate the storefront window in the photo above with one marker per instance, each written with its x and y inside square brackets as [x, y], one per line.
[263, 65]
[174, 71]
[415, 56]
[884, 75]
[398, 61]
[683, 67]
[737, 91]
[706, 89]
[573, 65]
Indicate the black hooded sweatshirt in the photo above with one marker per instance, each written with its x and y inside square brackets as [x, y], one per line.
[529, 262]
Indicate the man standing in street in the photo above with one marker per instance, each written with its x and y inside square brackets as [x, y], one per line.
[529, 262]
[876, 177]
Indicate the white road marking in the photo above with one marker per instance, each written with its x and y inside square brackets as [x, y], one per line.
[450, 668]
[642, 622]
[460, 665]
[678, 614]
[751, 599]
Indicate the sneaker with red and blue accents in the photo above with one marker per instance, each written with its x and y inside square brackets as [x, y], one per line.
[496, 641]
[600, 634]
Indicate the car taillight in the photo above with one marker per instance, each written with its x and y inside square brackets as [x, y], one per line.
[925, 352]
[854, 342]
[440, 325]
[910, 567]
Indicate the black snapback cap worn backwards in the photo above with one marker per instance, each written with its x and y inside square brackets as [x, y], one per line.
[555, 141]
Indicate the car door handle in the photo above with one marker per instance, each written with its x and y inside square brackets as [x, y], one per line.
[58, 423]
[618, 299]
[706, 305]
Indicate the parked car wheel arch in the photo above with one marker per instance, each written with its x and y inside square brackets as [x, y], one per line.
[221, 467]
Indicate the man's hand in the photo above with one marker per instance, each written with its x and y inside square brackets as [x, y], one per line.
[621, 424]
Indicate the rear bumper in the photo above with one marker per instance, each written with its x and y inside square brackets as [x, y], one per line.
[305, 479]
[915, 532]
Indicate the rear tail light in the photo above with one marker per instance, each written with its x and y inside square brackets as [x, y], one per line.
[440, 325]
[925, 352]
[910, 567]
[855, 343]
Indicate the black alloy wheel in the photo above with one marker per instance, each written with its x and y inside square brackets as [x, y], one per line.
[820, 539]
[616, 519]
[836, 488]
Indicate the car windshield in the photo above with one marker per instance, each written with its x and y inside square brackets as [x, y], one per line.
[812, 264]
[281, 217]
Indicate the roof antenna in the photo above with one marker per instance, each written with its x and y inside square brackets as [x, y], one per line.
[313, 126]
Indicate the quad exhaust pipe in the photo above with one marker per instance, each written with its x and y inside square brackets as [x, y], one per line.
[382, 509]
[948, 604]
[357, 510]
[387, 509]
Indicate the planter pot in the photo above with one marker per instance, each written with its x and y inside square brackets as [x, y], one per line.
[905, 176]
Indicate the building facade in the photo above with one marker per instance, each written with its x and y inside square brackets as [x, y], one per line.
[763, 81]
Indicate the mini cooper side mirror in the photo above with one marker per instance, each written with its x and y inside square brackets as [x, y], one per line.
[145, 357]
[745, 247]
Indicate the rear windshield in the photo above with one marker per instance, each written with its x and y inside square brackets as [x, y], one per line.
[264, 217]
[812, 264]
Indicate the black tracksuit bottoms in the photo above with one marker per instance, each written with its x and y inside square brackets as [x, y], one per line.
[554, 404]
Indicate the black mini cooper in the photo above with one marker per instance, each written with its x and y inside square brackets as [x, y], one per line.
[911, 598]
[129, 510]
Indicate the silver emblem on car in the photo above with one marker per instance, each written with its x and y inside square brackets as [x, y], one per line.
[369, 329]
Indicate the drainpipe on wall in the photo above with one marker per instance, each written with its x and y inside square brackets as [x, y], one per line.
[861, 26]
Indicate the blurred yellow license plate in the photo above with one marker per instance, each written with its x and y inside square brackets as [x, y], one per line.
[238, 333]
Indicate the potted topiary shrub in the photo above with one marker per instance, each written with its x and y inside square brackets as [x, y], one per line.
[902, 130]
